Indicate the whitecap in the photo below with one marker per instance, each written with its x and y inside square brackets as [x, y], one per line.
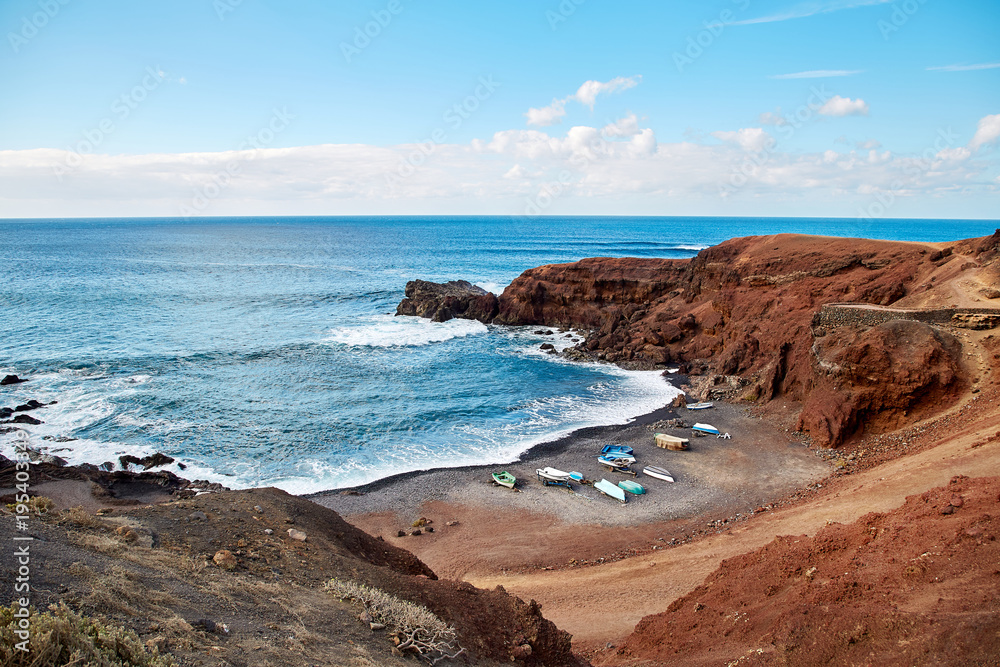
[403, 331]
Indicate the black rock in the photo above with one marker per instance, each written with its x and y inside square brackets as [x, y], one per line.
[30, 405]
[107, 465]
[6, 413]
[154, 461]
[128, 460]
[26, 419]
[546, 346]
[11, 379]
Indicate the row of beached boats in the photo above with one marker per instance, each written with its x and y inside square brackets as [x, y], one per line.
[617, 458]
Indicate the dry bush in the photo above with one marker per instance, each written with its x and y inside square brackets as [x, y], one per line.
[416, 628]
[61, 637]
[120, 591]
[81, 518]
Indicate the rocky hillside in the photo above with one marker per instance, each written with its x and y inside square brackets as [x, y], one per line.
[741, 318]
[238, 578]
[918, 585]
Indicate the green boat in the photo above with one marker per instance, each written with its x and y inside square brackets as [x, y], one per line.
[632, 487]
[504, 478]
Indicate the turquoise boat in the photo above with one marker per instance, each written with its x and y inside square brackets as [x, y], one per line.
[632, 487]
[611, 450]
[610, 490]
[705, 428]
[504, 478]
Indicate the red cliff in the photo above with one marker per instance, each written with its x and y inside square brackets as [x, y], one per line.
[741, 316]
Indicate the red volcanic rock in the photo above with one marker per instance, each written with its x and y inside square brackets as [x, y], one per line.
[745, 308]
[881, 378]
[915, 586]
[443, 301]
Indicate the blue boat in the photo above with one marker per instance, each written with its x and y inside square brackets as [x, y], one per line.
[617, 464]
[705, 428]
[610, 490]
[617, 449]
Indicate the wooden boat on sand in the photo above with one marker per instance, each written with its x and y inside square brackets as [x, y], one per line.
[705, 428]
[700, 406]
[610, 490]
[632, 487]
[504, 478]
[665, 441]
[616, 465]
[617, 449]
[658, 473]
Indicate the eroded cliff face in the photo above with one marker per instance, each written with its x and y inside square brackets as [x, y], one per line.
[739, 317]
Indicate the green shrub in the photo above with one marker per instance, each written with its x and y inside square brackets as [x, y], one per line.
[60, 637]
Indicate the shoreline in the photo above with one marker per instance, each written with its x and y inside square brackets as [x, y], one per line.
[532, 454]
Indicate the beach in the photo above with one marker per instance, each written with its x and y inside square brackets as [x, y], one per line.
[497, 529]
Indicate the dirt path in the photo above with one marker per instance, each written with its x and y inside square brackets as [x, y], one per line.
[580, 600]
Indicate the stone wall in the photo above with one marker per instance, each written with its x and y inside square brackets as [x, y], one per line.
[840, 314]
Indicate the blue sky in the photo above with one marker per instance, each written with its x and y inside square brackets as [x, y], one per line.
[726, 107]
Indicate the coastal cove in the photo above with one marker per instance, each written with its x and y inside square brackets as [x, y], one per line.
[262, 352]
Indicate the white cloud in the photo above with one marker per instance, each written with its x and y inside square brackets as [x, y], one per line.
[771, 118]
[871, 144]
[588, 92]
[752, 139]
[623, 127]
[806, 9]
[620, 167]
[844, 106]
[987, 133]
[549, 115]
[817, 74]
[963, 68]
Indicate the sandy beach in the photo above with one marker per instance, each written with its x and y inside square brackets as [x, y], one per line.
[536, 526]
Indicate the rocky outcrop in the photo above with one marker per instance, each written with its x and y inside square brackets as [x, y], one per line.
[880, 379]
[740, 317]
[11, 379]
[441, 302]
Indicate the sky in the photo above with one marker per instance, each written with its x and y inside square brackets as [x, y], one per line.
[817, 108]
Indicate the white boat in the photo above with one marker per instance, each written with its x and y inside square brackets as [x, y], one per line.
[610, 490]
[553, 476]
[700, 406]
[658, 473]
[705, 428]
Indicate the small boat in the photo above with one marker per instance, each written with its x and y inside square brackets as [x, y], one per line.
[617, 449]
[700, 406]
[610, 490]
[632, 487]
[504, 478]
[577, 476]
[665, 441]
[705, 428]
[617, 465]
[554, 477]
[658, 473]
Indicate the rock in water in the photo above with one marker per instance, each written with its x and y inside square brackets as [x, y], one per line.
[11, 379]
[444, 301]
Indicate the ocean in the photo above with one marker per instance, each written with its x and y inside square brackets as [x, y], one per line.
[263, 351]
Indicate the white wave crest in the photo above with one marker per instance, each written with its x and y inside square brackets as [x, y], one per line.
[403, 331]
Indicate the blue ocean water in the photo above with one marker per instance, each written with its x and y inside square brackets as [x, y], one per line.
[261, 351]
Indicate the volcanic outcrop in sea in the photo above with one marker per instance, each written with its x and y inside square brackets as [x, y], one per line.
[856, 333]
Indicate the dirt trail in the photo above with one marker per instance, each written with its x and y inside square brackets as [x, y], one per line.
[603, 604]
